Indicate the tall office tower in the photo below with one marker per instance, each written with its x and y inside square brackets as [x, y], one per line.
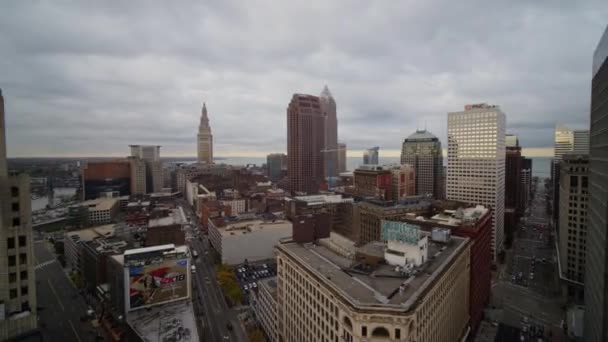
[370, 156]
[328, 108]
[341, 157]
[276, 163]
[423, 151]
[526, 183]
[566, 141]
[596, 288]
[512, 186]
[204, 139]
[150, 154]
[323, 295]
[17, 284]
[305, 144]
[476, 162]
[573, 199]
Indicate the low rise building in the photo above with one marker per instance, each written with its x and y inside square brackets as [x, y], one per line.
[367, 215]
[373, 181]
[73, 241]
[167, 229]
[247, 237]
[474, 223]
[323, 295]
[264, 306]
[339, 208]
[403, 182]
[101, 210]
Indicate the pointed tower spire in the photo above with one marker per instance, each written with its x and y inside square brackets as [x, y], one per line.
[326, 93]
[204, 118]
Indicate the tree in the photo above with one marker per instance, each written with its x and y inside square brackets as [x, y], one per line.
[256, 335]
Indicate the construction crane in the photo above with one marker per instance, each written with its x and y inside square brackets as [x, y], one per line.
[330, 169]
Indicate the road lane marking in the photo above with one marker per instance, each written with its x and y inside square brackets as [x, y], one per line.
[55, 293]
[74, 330]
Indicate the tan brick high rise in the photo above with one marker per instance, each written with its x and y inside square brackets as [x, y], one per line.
[17, 283]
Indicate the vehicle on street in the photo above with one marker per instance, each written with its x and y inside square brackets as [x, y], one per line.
[229, 326]
[193, 268]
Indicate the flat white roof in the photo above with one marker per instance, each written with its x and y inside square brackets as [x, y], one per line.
[149, 249]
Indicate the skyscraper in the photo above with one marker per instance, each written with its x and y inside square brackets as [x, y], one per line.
[596, 290]
[423, 151]
[566, 141]
[341, 157]
[573, 199]
[17, 284]
[328, 108]
[370, 156]
[476, 162]
[513, 165]
[150, 154]
[204, 139]
[305, 144]
[526, 183]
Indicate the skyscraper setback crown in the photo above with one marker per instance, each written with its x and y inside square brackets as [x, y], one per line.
[204, 139]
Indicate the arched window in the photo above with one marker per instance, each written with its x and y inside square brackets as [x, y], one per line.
[347, 323]
[380, 332]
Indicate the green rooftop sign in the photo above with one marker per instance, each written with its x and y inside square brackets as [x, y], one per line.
[400, 231]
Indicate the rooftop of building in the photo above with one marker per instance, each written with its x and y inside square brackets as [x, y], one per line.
[270, 284]
[320, 199]
[459, 216]
[109, 245]
[169, 322]
[99, 203]
[412, 202]
[175, 216]
[89, 234]
[381, 287]
[421, 134]
[371, 168]
[245, 224]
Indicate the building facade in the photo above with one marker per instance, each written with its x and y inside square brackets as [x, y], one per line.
[526, 183]
[138, 176]
[596, 286]
[513, 167]
[368, 216]
[276, 163]
[371, 156]
[423, 151]
[341, 157]
[105, 176]
[476, 162]
[18, 310]
[328, 108]
[373, 181]
[403, 182]
[150, 155]
[573, 201]
[204, 139]
[305, 144]
[317, 301]
[264, 306]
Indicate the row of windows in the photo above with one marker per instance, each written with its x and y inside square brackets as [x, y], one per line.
[12, 277]
[12, 259]
[13, 292]
[10, 242]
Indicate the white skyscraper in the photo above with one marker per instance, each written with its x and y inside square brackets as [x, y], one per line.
[476, 162]
[570, 141]
[204, 139]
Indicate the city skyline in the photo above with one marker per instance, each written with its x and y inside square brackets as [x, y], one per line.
[53, 82]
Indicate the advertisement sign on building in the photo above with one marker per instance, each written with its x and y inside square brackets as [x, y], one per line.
[154, 279]
[400, 231]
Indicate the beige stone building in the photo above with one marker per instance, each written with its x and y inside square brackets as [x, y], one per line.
[138, 176]
[322, 295]
[204, 139]
[17, 283]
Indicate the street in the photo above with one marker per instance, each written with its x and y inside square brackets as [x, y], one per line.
[206, 291]
[527, 289]
[60, 307]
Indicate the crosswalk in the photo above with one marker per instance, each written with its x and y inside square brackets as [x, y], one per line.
[43, 264]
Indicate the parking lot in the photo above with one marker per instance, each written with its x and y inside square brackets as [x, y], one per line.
[248, 274]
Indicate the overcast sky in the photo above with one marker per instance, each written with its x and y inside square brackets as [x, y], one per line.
[88, 80]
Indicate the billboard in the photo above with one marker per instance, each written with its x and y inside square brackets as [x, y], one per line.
[400, 231]
[156, 281]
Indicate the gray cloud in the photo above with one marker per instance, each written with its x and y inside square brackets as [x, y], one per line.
[89, 79]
